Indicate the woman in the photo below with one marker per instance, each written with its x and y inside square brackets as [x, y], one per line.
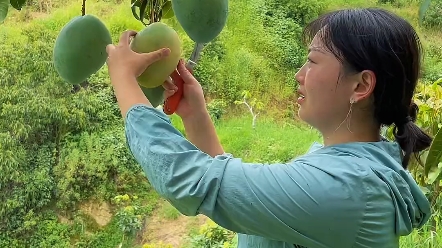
[354, 191]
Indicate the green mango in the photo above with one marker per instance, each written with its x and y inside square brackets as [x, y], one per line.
[155, 95]
[155, 36]
[80, 48]
[202, 20]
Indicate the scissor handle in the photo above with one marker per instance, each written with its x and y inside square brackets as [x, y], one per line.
[171, 103]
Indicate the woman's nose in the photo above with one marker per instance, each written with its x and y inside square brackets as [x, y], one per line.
[299, 76]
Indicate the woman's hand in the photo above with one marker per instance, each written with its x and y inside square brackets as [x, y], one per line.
[192, 109]
[123, 61]
[125, 66]
[192, 103]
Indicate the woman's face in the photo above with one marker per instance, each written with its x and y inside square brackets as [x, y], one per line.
[326, 92]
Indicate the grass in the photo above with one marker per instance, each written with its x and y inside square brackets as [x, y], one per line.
[268, 142]
[168, 212]
[421, 239]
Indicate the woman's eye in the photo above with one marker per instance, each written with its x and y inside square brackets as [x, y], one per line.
[310, 60]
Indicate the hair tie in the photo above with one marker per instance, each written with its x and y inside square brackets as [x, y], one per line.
[404, 121]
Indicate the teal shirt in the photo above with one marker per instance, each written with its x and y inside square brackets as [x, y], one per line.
[350, 195]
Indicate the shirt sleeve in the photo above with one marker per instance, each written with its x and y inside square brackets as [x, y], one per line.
[283, 202]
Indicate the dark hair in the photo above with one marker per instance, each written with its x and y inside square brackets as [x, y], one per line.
[380, 41]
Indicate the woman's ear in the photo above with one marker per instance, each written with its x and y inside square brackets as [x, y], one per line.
[364, 85]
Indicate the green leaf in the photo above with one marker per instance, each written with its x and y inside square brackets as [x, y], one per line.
[434, 175]
[434, 154]
[423, 9]
[425, 190]
[4, 6]
[18, 4]
[167, 11]
[134, 5]
[143, 8]
[134, 12]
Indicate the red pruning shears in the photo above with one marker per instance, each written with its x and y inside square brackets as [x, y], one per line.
[170, 104]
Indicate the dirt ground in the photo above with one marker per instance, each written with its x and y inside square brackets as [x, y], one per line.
[173, 231]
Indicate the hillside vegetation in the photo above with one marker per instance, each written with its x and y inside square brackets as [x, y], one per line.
[67, 178]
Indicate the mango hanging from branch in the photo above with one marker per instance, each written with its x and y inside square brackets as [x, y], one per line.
[80, 48]
[202, 20]
[155, 36]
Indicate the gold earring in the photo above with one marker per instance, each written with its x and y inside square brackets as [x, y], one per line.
[349, 114]
[348, 117]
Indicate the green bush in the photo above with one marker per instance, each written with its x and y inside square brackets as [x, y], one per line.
[433, 16]
[60, 144]
[211, 235]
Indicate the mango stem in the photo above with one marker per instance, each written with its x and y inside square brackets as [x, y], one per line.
[194, 57]
[83, 8]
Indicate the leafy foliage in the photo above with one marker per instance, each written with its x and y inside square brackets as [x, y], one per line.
[433, 14]
[211, 235]
[60, 145]
[153, 11]
[423, 9]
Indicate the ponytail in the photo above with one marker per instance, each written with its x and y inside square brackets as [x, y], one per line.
[410, 137]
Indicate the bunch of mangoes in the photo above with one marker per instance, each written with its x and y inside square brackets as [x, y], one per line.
[80, 48]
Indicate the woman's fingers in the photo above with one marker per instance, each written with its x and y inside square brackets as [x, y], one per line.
[185, 74]
[169, 88]
[156, 55]
[125, 37]
[169, 85]
[168, 93]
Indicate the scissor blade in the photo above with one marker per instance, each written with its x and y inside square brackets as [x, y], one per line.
[194, 57]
